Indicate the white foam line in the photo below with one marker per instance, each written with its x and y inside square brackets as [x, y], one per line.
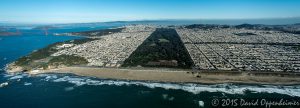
[17, 76]
[190, 87]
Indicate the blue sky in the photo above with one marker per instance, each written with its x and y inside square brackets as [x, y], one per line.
[70, 11]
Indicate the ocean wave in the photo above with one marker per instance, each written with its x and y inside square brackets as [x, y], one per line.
[27, 83]
[228, 88]
[3, 84]
[69, 88]
[16, 76]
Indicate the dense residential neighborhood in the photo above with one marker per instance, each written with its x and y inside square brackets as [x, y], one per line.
[198, 47]
[212, 48]
[242, 49]
[110, 50]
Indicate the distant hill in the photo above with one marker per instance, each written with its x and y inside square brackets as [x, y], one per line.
[288, 28]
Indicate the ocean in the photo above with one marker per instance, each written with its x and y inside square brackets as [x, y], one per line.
[71, 91]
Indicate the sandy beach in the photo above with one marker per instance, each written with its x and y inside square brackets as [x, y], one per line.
[172, 75]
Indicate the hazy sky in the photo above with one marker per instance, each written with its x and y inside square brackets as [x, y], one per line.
[66, 11]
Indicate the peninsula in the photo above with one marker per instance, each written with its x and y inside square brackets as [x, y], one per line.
[192, 53]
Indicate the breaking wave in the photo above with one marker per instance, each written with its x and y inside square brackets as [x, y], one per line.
[291, 90]
[27, 83]
[3, 84]
[15, 76]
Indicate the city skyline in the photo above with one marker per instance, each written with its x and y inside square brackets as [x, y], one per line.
[81, 11]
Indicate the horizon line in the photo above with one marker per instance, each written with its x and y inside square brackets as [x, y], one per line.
[162, 19]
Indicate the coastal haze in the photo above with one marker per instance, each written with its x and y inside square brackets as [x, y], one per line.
[130, 53]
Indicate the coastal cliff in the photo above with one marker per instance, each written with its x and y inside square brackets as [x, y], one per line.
[41, 59]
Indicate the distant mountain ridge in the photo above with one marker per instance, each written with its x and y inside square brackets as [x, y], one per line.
[266, 21]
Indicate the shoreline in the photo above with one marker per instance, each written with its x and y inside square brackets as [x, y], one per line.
[171, 76]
